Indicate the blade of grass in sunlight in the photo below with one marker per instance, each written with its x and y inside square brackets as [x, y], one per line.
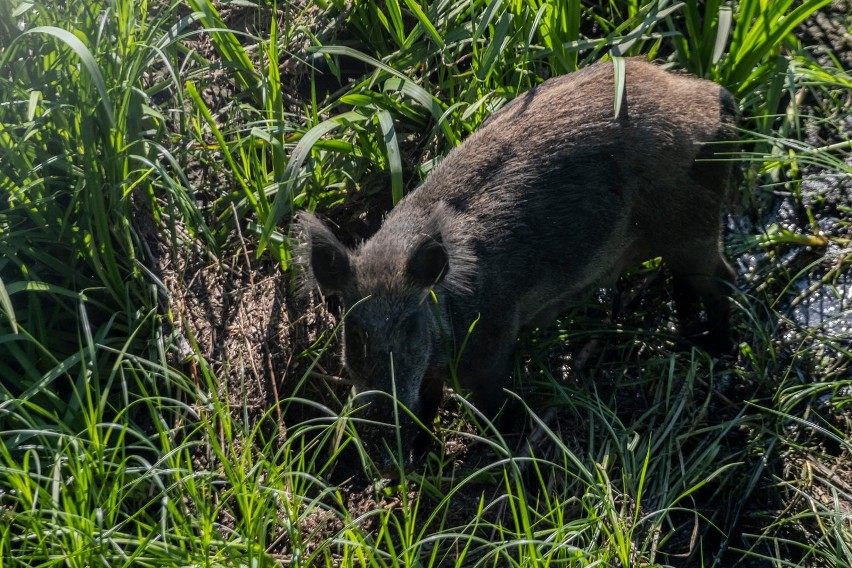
[226, 43]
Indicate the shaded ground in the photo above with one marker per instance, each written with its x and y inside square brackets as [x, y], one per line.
[241, 315]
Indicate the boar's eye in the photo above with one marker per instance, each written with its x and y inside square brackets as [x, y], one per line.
[357, 341]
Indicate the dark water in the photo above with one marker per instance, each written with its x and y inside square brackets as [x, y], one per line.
[812, 285]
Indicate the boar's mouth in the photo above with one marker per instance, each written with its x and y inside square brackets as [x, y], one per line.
[389, 433]
[395, 437]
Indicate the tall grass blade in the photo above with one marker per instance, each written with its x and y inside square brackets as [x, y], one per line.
[401, 83]
[393, 153]
[282, 203]
[619, 80]
[6, 305]
[770, 27]
[226, 43]
[424, 21]
[194, 95]
[722, 32]
[86, 58]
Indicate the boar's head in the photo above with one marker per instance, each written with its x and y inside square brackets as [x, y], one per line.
[393, 342]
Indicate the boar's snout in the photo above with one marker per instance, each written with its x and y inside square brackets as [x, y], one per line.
[415, 387]
[394, 409]
[393, 435]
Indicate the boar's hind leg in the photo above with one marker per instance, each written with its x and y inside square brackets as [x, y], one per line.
[704, 277]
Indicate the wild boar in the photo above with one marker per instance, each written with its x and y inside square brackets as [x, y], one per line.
[549, 200]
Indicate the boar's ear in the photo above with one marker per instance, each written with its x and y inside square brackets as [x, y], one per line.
[428, 263]
[327, 258]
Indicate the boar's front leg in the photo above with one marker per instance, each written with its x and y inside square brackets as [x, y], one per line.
[485, 367]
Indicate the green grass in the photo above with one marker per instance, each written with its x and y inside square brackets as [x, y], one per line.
[147, 147]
